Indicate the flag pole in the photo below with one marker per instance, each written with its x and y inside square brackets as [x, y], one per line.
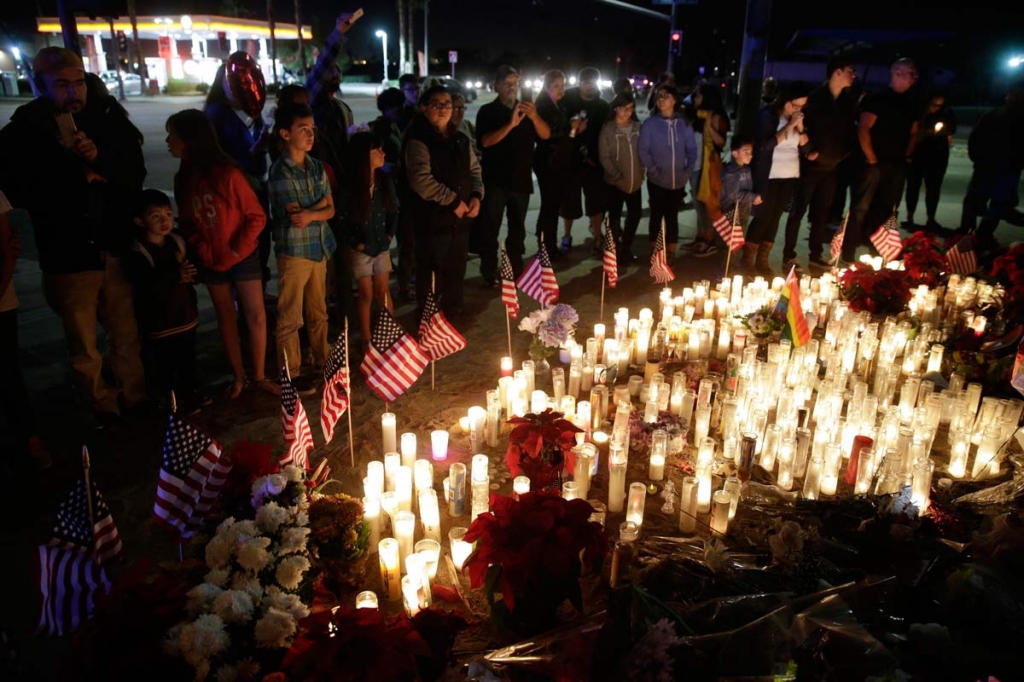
[433, 283]
[174, 403]
[287, 371]
[728, 242]
[351, 448]
[88, 498]
[604, 277]
[508, 318]
[842, 231]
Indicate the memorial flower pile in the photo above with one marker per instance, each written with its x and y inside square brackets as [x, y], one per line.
[540, 446]
[762, 323]
[551, 328]
[879, 292]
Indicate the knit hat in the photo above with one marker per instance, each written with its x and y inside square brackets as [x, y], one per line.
[50, 60]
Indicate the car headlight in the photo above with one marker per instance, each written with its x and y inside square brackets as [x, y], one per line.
[478, 84]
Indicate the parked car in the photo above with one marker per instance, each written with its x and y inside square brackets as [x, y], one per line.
[132, 82]
[468, 90]
[641, 83]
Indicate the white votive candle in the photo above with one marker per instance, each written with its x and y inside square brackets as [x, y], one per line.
[390, 432]
[439, 445]
[403, 488]
[720, 512]
[430, 550]
[366, 599]
[405, 532]
[408, 448]
[457, 489]
[688, 505]
[520, 486]
[392, 460]
[371, 516]
[430, 515]
[390, 571]
[460, 549]
[375, 472]
[636, 503]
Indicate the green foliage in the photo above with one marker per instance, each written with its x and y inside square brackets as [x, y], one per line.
[180, 87]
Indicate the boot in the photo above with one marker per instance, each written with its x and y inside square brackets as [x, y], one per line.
[670, 252]
[749, 255]
[761, 265]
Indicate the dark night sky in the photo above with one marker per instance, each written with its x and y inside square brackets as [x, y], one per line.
[570, 34]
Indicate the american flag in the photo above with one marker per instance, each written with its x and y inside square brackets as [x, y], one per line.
[191, 476]
[961, 259]
[394, 361]
[73, 529]
[538, 279]
[508, 286]
[660, 270]
[336, 390]
[730, 230]
[295, 424]
[70, 581]
[611, 259]
[887, 239]
[835, 248]
[438, 338]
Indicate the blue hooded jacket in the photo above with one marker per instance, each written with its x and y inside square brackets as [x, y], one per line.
[668, 149]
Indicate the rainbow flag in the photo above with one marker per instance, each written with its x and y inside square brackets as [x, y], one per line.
[789, 310]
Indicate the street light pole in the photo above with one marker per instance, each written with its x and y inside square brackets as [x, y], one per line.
[426, 42]
[384, 39]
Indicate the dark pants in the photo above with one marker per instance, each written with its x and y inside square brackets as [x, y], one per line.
[616, 198]
[664, 207]
[774, 202]
[406, 239]
[930, 171]
[878, 194]
[172, 364]
[990, 196]
[849, 170]
[816, 190]
[441, 256]
[553, 186]
[13, 394]
[498, 202]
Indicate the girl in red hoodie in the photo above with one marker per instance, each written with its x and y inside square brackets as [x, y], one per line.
[222, 219]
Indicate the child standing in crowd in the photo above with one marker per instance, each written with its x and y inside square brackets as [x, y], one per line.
[300, 206]
[371, 220]
[165, 301]
[623, 172]
[738, 194]
[221, 217]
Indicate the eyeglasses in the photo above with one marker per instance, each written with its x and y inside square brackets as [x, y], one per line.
[441, 106]
[458, 108]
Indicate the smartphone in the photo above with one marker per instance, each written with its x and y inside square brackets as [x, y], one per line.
[525, 93]
[66, 126]
[355, 16]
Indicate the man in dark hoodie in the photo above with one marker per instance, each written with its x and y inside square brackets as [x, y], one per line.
[79, 166]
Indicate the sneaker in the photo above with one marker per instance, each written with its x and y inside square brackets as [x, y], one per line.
[566, 244]
[819, 262]
[792, 263]
[704, 249]
[304, 385]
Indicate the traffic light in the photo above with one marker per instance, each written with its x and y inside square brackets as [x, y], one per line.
[675, 43]
[122, 43]
[222, 41]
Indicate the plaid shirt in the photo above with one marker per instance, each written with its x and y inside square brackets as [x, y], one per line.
[326, 65]
[288, 184]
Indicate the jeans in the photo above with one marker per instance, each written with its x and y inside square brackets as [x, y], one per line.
[499, 201]
[301, 295]
[930, 171]
[664, 208]
[816, 190]
[878, 194]
[79, 299]
[990, 196]
[765, 224]
[406, 239]
[633, 202]
[14, 396]
[441, 257]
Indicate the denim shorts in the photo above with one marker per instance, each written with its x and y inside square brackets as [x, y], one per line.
[246, 270]
[367, 266]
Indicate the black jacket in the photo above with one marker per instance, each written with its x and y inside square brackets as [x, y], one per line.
[74, 220]
[164, 305]
[831, 126]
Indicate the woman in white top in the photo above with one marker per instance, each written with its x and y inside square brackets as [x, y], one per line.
[779, 134]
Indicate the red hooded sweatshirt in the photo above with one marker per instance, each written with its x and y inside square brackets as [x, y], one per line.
[221, 216]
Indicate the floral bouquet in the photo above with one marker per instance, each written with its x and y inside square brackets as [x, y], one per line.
[879, 292]
[1008, 270]
[923, 262]
[762, 323]
[551, 328]
[540, 446]
[529, 550]
[245, 613]
[338, 538]
[640, 432]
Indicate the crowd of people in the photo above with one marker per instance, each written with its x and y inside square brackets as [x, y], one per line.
[327, 198]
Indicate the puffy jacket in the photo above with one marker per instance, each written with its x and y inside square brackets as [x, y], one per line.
[668, 150]
[220, 216]
[620, 156]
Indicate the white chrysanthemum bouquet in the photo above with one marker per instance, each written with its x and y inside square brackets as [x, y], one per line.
[249, 599]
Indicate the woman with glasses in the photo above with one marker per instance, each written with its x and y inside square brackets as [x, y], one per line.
[669, 151]
[779, 134]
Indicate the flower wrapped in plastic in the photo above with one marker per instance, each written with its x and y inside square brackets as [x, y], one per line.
[541, 446]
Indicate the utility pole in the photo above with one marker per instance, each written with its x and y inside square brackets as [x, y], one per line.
[410, 43]
[136, 46]
[68, 27]
[117, 59]
[302, 48]
[672, 48]
[273, 37]
[755, 47]
[426, 43]
[401, 35]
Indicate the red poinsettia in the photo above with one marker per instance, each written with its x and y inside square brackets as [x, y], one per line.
[540, 446]
[1008, 270]
[923, 262]
[535, 544]
[883, 292]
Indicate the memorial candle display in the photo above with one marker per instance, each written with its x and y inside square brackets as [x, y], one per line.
[720, 512]
[405, 532]
[459, 548]
[371, 516]
[688, 505]
[392, 460]
[520, 486]
[430, 550]
[457, 489]
[439, 445]
[390, 572]
[408, 449]
[367, 599]
[430, 514]
[636, 502]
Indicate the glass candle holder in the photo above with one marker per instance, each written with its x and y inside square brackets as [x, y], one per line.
[408, 449]
[720, 512]
[392, 460]
[636, 503]
[371, 516]
[770, 447]
[616, 484]
[367, 599]
[405, 533]
[703, 471]
[430, 514]
[389, 507]
[389, 431]
[403, 488]
[812, 481]
[520, 486]
[430, 551]
[733, 486]
[570, 490]
[600, 511]
[390, 571]
[629, 531]
[457, 489]
[439, 445]
[865, 471]
[688, 505]
[459, 548]
[959, 449]
[375, 473]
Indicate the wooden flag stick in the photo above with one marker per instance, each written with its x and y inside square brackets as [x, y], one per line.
[842, 230]
[433, 283]
[508, 316]
[728, 242]
[174, 403]
[351, 448]
[287, 371]
[604, 277]
[88, 496]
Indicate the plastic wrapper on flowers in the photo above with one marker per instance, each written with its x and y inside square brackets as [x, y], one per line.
[562, 654]
[1002, 493]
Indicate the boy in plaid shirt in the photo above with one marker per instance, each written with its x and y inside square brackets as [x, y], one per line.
[300, 206]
